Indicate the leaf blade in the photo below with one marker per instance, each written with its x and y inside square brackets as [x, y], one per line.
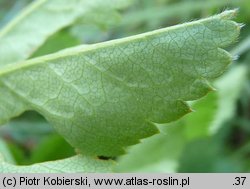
[106, 96]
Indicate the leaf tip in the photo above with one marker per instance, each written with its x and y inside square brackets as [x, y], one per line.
[229, 14]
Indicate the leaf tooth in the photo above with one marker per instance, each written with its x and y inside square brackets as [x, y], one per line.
[235, 57]
[229, 14]
[240, 25]
[191, 110]
[211, 88]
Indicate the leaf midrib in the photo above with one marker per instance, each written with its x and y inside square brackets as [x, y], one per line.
[24, 14]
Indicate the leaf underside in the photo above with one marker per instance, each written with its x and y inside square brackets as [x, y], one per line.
[76, 164]
[106, 96]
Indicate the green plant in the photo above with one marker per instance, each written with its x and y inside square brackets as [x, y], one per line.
[104, 97]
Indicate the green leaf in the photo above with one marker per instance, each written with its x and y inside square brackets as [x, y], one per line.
[6, 152]
[58, 41]
[229, 88]
[242, 48]
[24, 34]
[157, 13]
[206, 156]
[47, 150]
[76, 164]
[22, 128]
[106, 96]
[198, 124]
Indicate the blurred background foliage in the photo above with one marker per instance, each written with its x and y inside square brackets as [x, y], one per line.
[214, 138]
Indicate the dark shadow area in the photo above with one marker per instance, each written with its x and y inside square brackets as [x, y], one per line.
[31, 139]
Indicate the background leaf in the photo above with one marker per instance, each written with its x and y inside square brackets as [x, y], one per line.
[76, 164]
[6, 152]
[29, 30]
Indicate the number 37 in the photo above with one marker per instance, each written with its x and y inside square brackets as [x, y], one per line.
[239, 180]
